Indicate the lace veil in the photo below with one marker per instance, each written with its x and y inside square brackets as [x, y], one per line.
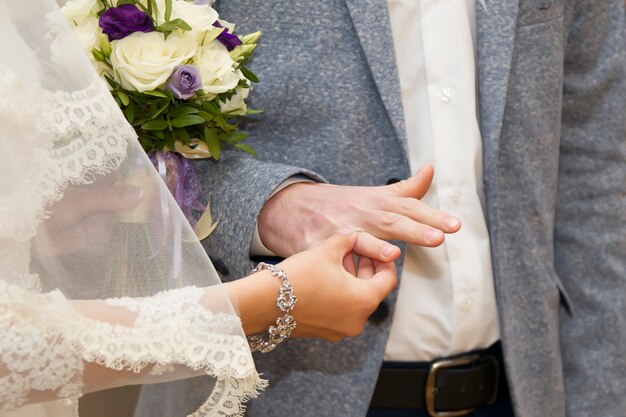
[85, 216]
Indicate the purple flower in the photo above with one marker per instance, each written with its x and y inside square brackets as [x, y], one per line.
[119, 22]
[184, 81]
[229, 40]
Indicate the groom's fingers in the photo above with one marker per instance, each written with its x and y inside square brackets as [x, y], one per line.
[372, 247]
[422, 213]
[394, 226]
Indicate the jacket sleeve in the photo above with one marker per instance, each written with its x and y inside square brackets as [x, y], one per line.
[238, 186]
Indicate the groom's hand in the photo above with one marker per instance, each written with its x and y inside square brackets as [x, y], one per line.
[304, 214]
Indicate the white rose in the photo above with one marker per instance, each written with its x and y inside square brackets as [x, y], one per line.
[144, 61]
[236, 105]
[217, 69]
[77, 11]
[88, 34]
[199, 16]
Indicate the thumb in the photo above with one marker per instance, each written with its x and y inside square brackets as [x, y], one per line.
[343, 241]
[385, 278]
[415, 186]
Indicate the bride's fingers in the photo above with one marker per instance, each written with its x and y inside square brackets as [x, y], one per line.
[349, 264]
[365, 269]
[90, 201]
[374, 248]
[385, 278]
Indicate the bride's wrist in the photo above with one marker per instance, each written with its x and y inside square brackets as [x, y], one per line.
[255, 299]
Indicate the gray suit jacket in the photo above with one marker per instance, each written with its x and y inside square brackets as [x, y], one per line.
[552, 103]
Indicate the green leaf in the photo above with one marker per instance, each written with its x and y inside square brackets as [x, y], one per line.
[253, 111]
[182, 135]
[173, 24]
[168, 10]
[245, 148]
[152, 7]
[155, 125]
[155, 93]
[99, 56]
[129, 112]
[220, 122]
[111, 81]
[144, 8]
[188, 120]
[249, 74]
[183, 111]
[206, 116]
[170, 139]
[212, 108]
[120, 2]
[105, 45]
[123, 97]
[159, 110]
[212, 142]
[236, 137]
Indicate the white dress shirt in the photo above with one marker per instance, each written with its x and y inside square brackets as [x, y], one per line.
[446, 302]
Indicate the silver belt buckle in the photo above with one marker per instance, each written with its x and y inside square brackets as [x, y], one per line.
[431, 385]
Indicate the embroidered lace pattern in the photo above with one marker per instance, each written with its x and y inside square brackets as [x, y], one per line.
[46, 343]
[71, 138]
[64, 139]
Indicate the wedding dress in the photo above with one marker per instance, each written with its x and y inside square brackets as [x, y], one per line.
[102, 281]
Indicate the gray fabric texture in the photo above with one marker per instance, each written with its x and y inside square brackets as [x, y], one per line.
[552, 110]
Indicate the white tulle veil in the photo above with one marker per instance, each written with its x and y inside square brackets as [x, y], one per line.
[82, 210]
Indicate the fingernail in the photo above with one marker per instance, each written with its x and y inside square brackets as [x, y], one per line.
[132, 193]
[388, 251]
[433, 236]
[452, 222]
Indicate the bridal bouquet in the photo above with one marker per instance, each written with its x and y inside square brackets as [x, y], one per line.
[176, 70]
[179, 75]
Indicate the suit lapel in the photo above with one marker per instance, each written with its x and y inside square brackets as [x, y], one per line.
[496, 25]
[371, 21]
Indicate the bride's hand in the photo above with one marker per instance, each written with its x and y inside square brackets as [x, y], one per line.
[83, 220]
[333, 303]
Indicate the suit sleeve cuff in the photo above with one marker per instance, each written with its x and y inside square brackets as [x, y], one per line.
[257, 248]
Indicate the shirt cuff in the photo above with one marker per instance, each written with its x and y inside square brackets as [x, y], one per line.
[257, 248]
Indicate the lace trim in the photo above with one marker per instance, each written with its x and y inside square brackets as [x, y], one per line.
[172, 329]
[70, 138]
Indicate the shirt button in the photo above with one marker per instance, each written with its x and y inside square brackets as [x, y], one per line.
[455, 196]
[446, 94]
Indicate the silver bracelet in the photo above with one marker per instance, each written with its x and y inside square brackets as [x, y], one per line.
[268, 340]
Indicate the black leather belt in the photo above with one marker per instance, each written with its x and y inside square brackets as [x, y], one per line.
[448, 387]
